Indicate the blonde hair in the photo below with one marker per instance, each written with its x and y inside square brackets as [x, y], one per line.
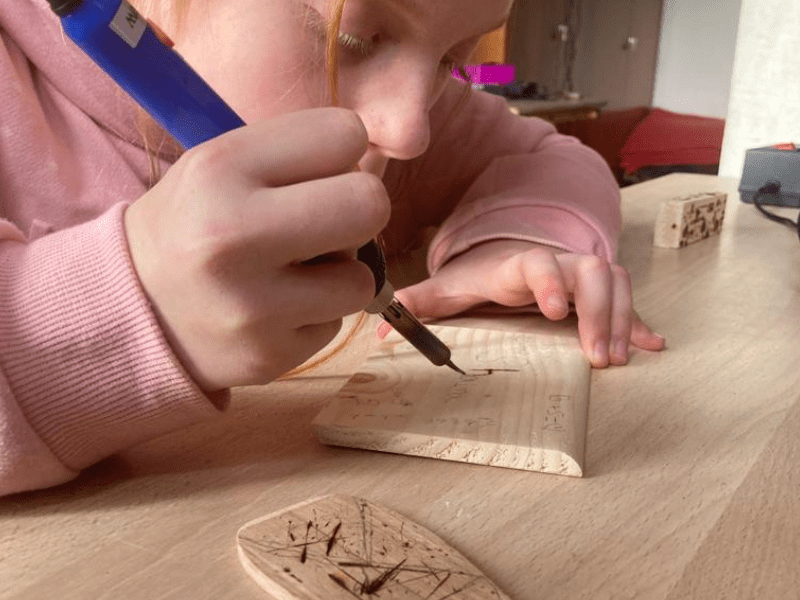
[332, 64]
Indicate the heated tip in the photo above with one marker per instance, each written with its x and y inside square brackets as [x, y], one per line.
[450, 364]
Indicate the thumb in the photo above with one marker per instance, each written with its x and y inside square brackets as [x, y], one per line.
[430, 299]
[433, 299]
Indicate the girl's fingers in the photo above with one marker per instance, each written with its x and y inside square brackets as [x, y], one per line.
[319, 293]
[288, 148]
[607, 323]
[302, 221]
[621, 315]
[542, 275]
[433, 298]
[593, 301]
[643, 337]
[504, 274]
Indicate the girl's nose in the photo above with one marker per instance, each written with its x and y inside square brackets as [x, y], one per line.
[395, 112]
[398, 126]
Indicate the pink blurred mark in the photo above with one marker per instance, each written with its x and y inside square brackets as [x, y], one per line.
[488, 74]
[383, 330]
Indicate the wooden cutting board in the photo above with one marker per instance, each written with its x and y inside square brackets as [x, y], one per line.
[340, 548]
[522, 403]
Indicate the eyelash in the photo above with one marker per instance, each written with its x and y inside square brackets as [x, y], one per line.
[356, 44]
[365, 48]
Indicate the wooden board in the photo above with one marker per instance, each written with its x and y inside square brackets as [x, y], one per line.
[522, 403]
[339, 548]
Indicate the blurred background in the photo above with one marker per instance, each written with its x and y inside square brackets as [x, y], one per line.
[656, 85]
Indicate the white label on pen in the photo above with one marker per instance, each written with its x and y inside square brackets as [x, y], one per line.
[128, 24]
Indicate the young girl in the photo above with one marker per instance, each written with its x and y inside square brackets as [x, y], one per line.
[129, 307]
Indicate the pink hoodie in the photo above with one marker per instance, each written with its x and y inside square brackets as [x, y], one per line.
[85, 370]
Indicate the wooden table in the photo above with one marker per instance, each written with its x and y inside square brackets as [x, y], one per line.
[692, 487]
[558, 111]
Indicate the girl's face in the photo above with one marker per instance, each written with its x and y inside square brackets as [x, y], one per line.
[266, 57]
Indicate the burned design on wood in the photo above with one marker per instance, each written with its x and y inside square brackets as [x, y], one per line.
[480, 372]
[683, 221]
[333, 539]
[365, 562]
[556, 413]
[304, 553]
[702, 220]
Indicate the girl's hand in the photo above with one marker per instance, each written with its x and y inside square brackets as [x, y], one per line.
[222, 245]
[517, 273]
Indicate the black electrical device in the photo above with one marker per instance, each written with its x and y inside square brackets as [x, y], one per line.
[779, 165]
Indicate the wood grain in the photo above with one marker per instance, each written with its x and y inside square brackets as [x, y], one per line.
[756, 541]
[340, 547]
[522, 403]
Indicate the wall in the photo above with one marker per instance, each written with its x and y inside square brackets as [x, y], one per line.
[695, 56]
[604, 68]
[531, 29]
[764, 103]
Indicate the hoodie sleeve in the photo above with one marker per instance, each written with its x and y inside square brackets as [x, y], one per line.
[493, 175]
[85, 370]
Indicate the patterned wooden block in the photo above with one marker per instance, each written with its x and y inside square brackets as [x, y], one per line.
[683, 221]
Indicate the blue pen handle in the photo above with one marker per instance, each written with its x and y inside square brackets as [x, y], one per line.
[119, 40]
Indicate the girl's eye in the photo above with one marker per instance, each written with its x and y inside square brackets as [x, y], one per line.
[356, 45]
[347, 41]
[366, 48]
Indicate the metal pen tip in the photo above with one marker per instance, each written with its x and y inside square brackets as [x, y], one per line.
[450, 364]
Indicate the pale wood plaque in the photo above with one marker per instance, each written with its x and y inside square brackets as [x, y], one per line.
[522, 403]
[339, 548]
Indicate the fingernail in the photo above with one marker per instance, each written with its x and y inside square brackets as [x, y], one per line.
[557, 303]
[621, 351]
[600, 355]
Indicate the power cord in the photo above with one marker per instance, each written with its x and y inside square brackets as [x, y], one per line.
[774, 187]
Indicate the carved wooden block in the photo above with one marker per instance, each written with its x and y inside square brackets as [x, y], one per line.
[522, 403]
[340, 548]
[683, 221]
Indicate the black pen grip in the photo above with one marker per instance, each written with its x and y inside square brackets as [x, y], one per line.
[372, 256]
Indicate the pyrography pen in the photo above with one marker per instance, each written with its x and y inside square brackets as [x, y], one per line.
[121, 42]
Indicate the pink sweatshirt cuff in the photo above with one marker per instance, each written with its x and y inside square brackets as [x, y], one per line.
[538, 224]
[83, 354]
[569, 202]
